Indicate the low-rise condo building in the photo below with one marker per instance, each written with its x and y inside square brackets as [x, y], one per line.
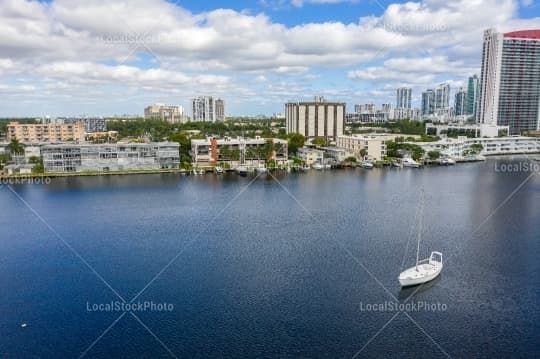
[60, 158]
[36, 133]
[458, 148]
[310, 156]
[238, 151]
[374, 145]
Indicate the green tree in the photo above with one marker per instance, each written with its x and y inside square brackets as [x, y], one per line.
[320, 141]
[363, 153]
[433, 155]
[15, 147]
[295, 141]
[38, 164]
[185, 145]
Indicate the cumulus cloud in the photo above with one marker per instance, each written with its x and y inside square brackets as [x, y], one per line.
[159, 45]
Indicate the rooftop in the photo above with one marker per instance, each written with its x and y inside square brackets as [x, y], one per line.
[524, 34]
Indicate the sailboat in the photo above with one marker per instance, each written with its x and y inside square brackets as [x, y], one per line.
[424, 270]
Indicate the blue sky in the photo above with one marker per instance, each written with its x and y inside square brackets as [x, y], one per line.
[106, 57]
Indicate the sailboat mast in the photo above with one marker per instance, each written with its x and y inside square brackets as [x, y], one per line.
[419, 229]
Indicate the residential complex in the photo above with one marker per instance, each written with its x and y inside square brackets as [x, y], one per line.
[428, 102]
[403, 97]
[58, 158]
[207, 109]
[35, 133]
[460, 102]
[91, 124]
[315, 119]
[442, 97]
[238, 151]
[457, 148]
[510, 80]
[473, 92]
[169, 113]
[373, 145]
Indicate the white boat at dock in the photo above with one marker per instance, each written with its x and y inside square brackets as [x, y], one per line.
[241, 170]
[367, 164]
[409, 162]
[447, 161]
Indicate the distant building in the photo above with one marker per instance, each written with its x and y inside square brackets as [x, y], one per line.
[412, 114]
[91, 124]
[428, 102]
[442, 97]
[460, 103]
[365, 108]
[403, 97]
[473, 90]
[510, 80]
[206, 109]
[367, 117]
[235, 151]
[170, 113]
[315, 119]
[59, 158]
[35, 133]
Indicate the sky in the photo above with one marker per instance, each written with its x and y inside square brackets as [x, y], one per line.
[115, 57]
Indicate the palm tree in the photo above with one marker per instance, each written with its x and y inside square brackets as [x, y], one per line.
[15, 147]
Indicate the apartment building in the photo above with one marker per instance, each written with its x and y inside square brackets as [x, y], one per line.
[59, 158]
[319, 118]
[237, 151]
[170, 113]
[457, 147]
[36, 133]
[374, 145]
[510, 80]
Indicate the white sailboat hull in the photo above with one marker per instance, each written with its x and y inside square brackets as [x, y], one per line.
[423, 272]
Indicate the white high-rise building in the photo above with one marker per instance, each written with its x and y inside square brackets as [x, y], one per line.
[442, 97]
[206, 109]
[403, 97]
[510, 80]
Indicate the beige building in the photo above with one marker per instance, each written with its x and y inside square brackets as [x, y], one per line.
[170, 113]
[374, 145]
[315, 119]
[35, 133]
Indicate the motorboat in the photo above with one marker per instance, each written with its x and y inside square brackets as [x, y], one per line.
[409, 162]
[367, 165]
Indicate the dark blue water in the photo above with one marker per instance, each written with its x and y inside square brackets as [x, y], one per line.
[273, 271]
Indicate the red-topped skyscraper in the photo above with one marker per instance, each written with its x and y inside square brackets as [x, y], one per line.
[510, 80]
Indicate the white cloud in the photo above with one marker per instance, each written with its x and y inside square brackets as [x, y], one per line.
[104, 43]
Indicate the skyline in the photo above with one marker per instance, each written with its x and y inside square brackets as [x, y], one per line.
[65, 58]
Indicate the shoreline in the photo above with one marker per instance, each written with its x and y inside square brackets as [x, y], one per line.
[211, 169]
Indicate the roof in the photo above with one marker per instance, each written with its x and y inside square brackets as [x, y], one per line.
[524, 34]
